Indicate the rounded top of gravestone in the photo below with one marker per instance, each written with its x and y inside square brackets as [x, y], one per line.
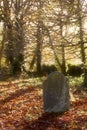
[56, 75]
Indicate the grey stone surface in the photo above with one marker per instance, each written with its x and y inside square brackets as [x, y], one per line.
[56, 93]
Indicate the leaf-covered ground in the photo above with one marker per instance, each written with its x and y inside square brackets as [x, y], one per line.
[21, 108]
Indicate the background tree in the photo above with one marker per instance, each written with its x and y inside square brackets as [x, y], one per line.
[13, 19]
[43, 32]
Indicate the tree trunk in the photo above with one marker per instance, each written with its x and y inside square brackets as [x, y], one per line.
[39, 46]
[2, 46]
[84, 85]
[63, 66]
[80, 22]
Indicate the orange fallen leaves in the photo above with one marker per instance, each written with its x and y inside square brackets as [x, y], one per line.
[22, 109]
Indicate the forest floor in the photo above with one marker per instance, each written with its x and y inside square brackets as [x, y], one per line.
[21, 108]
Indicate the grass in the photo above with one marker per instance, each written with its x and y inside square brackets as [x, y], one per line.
[75, 81]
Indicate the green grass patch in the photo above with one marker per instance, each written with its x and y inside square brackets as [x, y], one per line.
[75, 81]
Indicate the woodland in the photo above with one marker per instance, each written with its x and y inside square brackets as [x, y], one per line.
[38, 37]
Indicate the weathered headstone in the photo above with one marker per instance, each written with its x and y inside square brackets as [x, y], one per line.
[56, 93]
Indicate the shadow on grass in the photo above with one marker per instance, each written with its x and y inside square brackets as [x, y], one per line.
[16, 94]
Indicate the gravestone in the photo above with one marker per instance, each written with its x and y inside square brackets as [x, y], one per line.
[56, 93]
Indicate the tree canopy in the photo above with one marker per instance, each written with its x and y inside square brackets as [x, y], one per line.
[43, 32]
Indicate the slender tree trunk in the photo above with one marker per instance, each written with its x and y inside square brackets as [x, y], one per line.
[81, 40]
[39, 37]
[2, 46]
[39, 46]
[63, 68]
[80, 22]
[63, 64]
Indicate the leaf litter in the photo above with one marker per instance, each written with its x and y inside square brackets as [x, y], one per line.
[21, 108]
